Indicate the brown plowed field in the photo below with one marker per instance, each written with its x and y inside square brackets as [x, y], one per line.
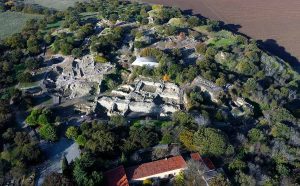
[276, 22]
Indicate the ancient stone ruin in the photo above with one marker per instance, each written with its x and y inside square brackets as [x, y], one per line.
[209, 87]
[144, 98]
[75, 78]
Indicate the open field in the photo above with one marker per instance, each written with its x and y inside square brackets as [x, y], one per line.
[275, 22]
[13, 22]
[56, 4]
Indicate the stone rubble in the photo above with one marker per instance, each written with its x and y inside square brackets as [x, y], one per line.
[78, 77]
[144, 98]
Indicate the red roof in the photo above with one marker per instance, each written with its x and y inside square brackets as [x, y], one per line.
[209, 164]
[116, 177]
[196, 156]
[155, 167]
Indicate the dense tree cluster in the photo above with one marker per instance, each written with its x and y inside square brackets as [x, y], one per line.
[43, 119]
[20, 153]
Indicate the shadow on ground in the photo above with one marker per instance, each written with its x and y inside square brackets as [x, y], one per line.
[273, 47]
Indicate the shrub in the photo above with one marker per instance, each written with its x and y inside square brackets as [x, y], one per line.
[72, 132]
[32, 119]
[81, 140]
[100, 59]
[193, 21]
[201, 48]
[147, 182]
[43, 119]
[25, 77]
[210, 141]
[48, 132]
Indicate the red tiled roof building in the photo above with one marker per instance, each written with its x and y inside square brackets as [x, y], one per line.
[116, 177]
[156, 169]
[160, 168]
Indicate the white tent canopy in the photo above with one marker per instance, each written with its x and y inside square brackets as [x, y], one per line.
[145, 61]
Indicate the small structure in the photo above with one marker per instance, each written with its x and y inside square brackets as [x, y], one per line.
[145, 61]
[56, 100]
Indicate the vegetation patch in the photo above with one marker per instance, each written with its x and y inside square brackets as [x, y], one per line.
[224, 42]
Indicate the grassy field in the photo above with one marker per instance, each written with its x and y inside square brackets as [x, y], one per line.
[56, 4]
[224, 42]
[12, 22]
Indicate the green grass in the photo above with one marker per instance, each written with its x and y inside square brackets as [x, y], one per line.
[202, 29]
[87, 15]
[13, 22]
[53, 25]
[56, 4]
[223, 42]
[28, 85]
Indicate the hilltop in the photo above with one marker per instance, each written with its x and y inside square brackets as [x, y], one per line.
[111, 86]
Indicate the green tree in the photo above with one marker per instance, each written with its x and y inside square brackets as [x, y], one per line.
[141, 137]
[72, 132]
[201, 48]
[219, 180]
[184, 119]
[255, 135]
[211, 141]
[25, 77]
[101, 141]
[193, 21]
[81, 140]
[43, 119]
[77, 52]
[211, 52]
[186, 138]
[280, 130]
[48, 38]
[32, 63]
[221, 81]
[167, 138]
[237, 164]
[48, 132]
[84, 172]
[247, 68]
[32, 119]
[250, 85]
[66, 48]
[118, 120]
[57, 179]
[33, 46]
